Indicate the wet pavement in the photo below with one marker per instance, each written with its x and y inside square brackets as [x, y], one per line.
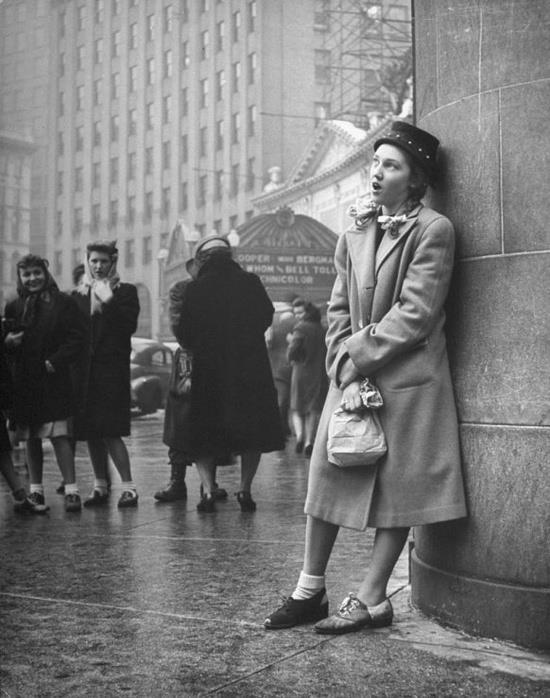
[165, 601]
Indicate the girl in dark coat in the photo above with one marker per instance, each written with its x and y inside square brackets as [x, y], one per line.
[224, 315]
[104, 380]
[308, 386]
[48, 335]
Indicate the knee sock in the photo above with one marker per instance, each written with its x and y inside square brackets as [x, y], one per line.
[308, 585]
[71, 489]
[99, 485]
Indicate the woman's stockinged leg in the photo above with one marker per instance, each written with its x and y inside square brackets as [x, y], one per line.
[249, 465]
[64, 454]
[119, 454]
[99, 457]
[320, 538]
[35, 460]
[388, 544]
[207, 472]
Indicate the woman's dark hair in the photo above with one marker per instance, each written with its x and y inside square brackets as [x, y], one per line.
[34, 260]
[105, 246]
[312, 312]
[420, 179]
[78, 271]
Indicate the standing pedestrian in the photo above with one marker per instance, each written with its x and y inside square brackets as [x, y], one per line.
[386, 318]
[308, 386]
[47, 335]
[113, 309]
[225, 314]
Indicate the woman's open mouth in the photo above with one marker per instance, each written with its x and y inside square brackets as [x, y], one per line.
[376, 187]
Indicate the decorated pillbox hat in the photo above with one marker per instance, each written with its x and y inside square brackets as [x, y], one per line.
[419, 144]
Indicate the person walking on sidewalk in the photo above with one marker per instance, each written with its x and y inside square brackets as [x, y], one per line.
[47, 335]
[385, 323]
[113, 309]
[233, 409]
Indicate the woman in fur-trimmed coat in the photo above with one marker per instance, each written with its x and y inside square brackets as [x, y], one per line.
[386, 322]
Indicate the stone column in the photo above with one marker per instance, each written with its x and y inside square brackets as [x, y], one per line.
[483, 87]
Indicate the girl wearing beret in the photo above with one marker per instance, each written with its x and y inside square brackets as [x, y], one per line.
[386, 319]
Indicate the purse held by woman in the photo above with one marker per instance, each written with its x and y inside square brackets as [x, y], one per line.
[357, 438]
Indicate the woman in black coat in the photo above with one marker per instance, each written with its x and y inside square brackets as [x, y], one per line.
[47, 335]
[233, 409]
[104, 378]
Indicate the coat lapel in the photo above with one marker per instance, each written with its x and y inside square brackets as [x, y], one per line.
[389, 242]
[361, 245]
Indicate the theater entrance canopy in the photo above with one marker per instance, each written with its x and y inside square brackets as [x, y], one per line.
[291, 253]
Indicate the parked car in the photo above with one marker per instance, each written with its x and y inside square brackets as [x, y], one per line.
[150, 369]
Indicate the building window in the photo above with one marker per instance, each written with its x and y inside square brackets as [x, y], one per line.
[115, 85]
[236, 76]
[146, 250]
[114, 171]
[167, 68]
[149, 160]
[184, 148]
[76, 256]
[61, 104]
[133, 36]
[252, 120]
[115, 7]
[132, 122]
[58, 263]
[129, 253]
[184, 10]
[79, 138]
[321, 17]
[184, 102]
[115, 127]
[205, 6]
[99, 7]
[252, 14]
[150, 27]
[95, 222]
[78, 179]
[132, 166]
[166, 153]
[59, 188]
[250, 174]
[235, 127]
[148, 207]
[149, 115]
[60, 143]
[219, 134]
[220, 82]
[113, 213]
[236, 25]
[96, 133]
[96, 175]
[322, 66]
[98, 51]
[321, 112]
[218, 185]
[233, 222]
[166, 202]
[185, 57]
[132, 78]
[217, 225]
[166, 109]
[168, 18]
[98, 94]
[252, 65]
[205, 41]
[80, 98]
[77, 225]
[61, 65]
[184, 202]
[115, 44]
[220, 35]
[235, 180]
[80, 57]
[203, 141]
[150, 70]
[80, 17]
[204, 93]
[131, 209]
[62, 23]
[201, 195]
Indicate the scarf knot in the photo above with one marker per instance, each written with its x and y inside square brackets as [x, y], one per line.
[392, 223]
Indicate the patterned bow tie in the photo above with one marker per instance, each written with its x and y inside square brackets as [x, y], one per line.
[392, 223]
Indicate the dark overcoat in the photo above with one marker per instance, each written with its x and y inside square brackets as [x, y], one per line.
[59, 334]
[225, 313]
[104, 377]
[387, 314]
[308, 386]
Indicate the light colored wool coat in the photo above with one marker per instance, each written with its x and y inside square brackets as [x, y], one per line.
[386, 314]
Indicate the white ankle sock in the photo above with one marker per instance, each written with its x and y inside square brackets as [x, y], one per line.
[308, 585]
[128, 486]
[71, 489]
[36, 488]
[101, 486]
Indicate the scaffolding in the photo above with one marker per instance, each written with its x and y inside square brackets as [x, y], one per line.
[369, 59]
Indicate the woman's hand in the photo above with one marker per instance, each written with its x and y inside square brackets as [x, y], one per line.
[351, 399]
[14, 339]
